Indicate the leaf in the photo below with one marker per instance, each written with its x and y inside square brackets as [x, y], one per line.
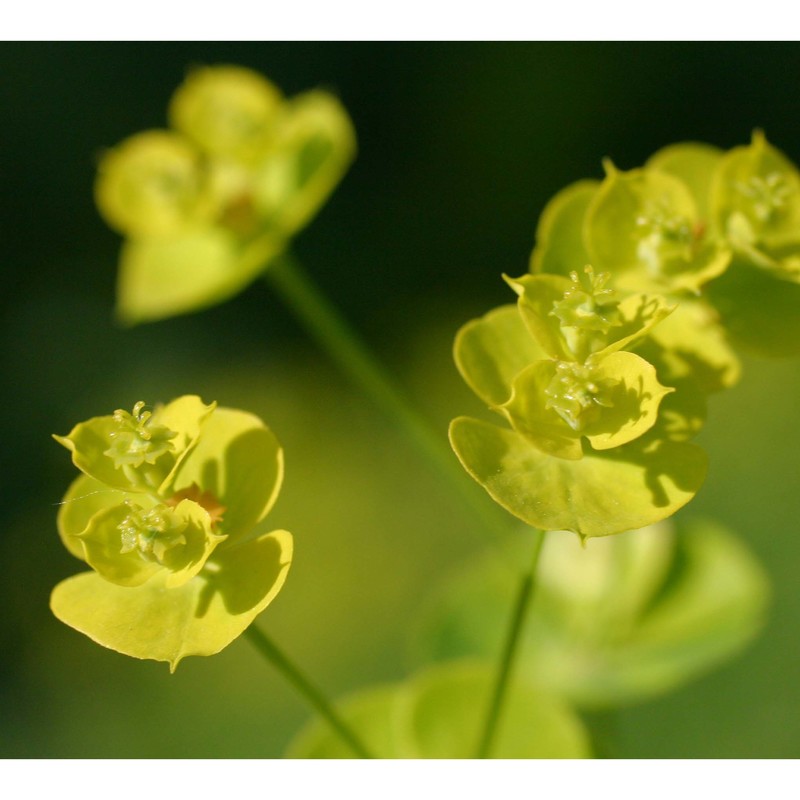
[372, 714]
[439, 713]
[758, 186]
[160, 278]
[760, 312]
[447, 705]
[691, 348]
[200, 617]
[560, 247]
[491, 351]
[313, 145]
[601, 494]
[693, 163]
[239, 460]
[226, 110]
[152, 185]
[643, 228]
[617, 621]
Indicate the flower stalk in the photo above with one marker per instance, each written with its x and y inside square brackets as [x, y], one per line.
[310, 693]
[342, 344]
[510, 650]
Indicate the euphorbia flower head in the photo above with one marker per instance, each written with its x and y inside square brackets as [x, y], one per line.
[165, 513]
[205, 205]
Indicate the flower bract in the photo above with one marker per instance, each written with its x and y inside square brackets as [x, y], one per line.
[165, 512]
[596, 445]
[205, 205]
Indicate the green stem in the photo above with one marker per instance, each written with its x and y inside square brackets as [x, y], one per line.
[509, 652]
[315, 698]
[345, 348]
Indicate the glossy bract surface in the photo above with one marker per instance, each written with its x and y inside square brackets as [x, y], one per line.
[165, 513]
[205, 205]
[580, 373]
[637, 284]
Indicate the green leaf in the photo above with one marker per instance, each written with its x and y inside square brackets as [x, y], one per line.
[643, 227]
[446, 707]
[760, 312]
[438, 713]
[603, 493]
[492, 350]
[313, 145]
[756, 195]
[239, 460]
[693, 163]
[372, 714]
[85, 497]
[691, 347]
[537, 296]
[617, 621]
[200, 617]
[226, 111]
[124, 551]
[560, 248]
[158, 440]
[153, 185]
[160, 278]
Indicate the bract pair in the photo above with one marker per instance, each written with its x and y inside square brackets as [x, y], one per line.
[165, 513]
[206, 205]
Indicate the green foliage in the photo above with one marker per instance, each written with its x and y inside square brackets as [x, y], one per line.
[205, 206]
[617, 621]
[438, 713]
[164, 512]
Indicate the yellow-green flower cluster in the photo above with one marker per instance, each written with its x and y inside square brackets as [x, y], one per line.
[620, 333]
[680, 221]
[205, 205]
[164, 513]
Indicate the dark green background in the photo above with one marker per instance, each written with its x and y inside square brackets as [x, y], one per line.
[460, 145]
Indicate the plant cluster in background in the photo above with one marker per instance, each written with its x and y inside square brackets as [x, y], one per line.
[220, 193]
[599, 377]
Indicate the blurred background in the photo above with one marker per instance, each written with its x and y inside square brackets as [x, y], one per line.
[460, 146]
